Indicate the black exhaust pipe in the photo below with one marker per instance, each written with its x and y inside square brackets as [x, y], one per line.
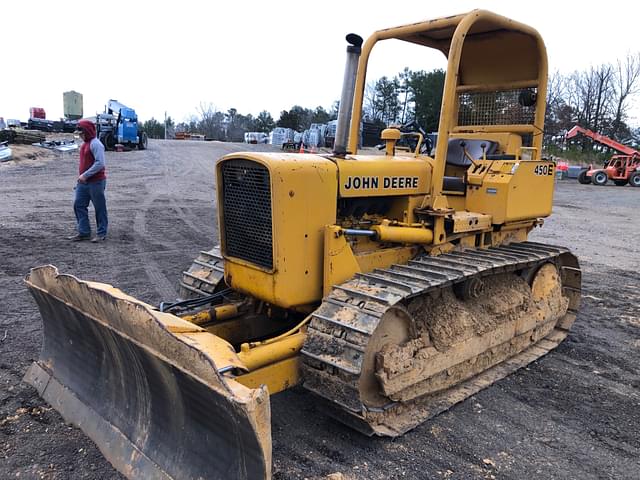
[348, 91]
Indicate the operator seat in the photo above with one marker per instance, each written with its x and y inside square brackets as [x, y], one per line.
[455, 152]
[457, 158]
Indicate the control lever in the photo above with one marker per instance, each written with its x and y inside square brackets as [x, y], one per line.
[463, 144]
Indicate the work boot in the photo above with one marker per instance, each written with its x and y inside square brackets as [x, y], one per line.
[78, 238]
[99, 238]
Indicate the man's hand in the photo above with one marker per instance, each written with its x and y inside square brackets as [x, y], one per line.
[81, 179]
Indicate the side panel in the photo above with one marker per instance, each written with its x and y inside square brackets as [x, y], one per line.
[303, 201]
[513, 191]
[531, 191]
[372, 176]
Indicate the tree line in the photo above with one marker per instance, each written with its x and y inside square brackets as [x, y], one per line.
[598, 98]
[231, 125]
[407, 96]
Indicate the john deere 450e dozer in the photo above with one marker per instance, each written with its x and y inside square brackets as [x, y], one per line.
[390, 286]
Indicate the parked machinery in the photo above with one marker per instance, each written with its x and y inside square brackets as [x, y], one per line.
[621, 169]
[38, 121]
[119, 126]
[390, 286]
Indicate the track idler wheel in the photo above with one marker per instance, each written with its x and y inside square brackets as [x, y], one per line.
[396, 328]
[546, 290]
[469, 289]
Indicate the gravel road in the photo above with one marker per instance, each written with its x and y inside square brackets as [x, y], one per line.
[572, 414]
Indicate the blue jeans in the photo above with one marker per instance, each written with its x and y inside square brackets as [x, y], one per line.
[91, 192]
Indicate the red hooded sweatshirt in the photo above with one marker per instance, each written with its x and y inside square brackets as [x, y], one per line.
[87, 157]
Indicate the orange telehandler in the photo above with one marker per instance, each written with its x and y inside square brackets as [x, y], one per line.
[621, 169]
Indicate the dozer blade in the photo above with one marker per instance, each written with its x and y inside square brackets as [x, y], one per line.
[146, 386]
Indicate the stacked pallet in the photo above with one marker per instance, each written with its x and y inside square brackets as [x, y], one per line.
[19, 135]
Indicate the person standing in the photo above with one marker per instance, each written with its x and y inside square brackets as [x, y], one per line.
[92, 181]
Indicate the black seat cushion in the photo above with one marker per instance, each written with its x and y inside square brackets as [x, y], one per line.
[455, 152]
[454, 184]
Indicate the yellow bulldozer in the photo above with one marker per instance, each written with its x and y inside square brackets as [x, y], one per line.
[389, 285]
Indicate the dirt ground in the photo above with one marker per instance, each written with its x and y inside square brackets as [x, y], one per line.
[573, 414]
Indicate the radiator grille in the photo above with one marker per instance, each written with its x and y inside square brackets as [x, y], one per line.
[494, 108]
[246, 210]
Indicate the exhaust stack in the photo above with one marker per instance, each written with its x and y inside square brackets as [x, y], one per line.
[346, 99]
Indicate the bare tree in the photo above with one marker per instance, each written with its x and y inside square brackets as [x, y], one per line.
[555, 90]
[588, 93]
[556, 94]
[231, 116]
[210, 121]
[626, 84]
[597, 98]
[585, 88]
[602, 78]
[404, 89]
[370, 109]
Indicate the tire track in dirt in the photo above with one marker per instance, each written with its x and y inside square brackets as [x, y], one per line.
[186, 215]
[173, 183]
[161, 284]
[199, 166]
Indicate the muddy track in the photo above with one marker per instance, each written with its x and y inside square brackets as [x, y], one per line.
[574, 413]
[342, 328]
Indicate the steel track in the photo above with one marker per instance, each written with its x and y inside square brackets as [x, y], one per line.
[204, 274]
[349, 315]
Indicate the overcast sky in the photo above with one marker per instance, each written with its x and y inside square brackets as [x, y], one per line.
[264, 55]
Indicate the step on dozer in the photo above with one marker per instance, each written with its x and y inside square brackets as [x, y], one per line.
[390, 286]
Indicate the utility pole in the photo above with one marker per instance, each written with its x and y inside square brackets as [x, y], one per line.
[165, 124]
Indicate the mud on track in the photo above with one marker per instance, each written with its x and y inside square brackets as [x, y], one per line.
[572, 414]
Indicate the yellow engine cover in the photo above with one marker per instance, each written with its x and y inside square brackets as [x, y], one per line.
[272, 210]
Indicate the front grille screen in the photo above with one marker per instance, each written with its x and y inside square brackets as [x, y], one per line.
[494, 108]
[246, 210]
